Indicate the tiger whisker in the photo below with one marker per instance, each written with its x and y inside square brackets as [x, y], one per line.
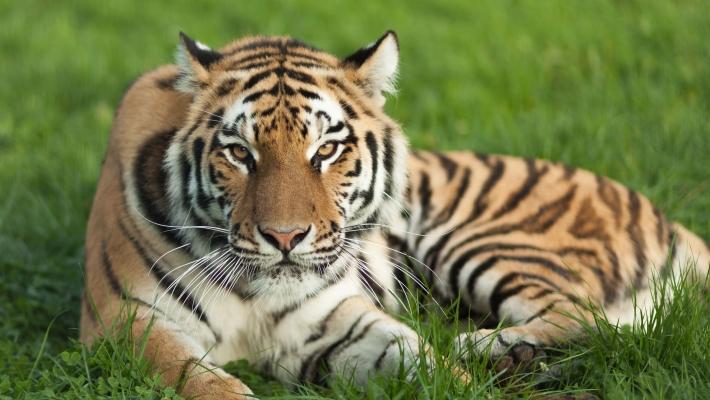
[405, 290]
[408, 256]
[357, 247]
[365, 269]
[404, 270]
[211, 285]
[165, 254]
[398, 202]
[370, 226]
[178, 227]
[193, 265]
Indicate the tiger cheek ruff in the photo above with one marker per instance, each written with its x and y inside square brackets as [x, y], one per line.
[256, 201]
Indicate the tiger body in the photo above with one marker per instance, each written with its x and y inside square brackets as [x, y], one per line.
[528, 242]
[250, 199]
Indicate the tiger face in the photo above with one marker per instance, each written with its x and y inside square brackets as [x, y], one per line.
[286, 151]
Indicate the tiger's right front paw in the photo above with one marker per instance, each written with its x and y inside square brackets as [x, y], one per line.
[215, 385]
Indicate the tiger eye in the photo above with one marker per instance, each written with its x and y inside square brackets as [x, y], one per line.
[327, 150]
[240, 152]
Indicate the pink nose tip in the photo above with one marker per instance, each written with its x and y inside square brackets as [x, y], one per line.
[284, 241]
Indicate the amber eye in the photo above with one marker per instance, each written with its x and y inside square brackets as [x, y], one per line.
[240, 152]
[327, 150]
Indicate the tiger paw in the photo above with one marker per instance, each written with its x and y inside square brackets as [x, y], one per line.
[509, 351]
[216, 385]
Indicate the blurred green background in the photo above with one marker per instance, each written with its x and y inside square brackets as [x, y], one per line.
[618, 87]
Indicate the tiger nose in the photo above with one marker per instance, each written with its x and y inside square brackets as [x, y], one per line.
[283, 239]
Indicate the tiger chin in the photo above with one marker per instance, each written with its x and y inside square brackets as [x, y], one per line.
[254, 202]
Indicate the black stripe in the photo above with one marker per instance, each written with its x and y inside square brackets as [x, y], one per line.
[226, 87]
[115, 285]
[424, 198]
[542, 293]
[183, 376]
[636, 236]
[89, 308]
[494, 177]
[256, 78]
[458, 265]
[348, 109]
[321, 326]
[151, 179]
[183, 296]
[473, 278]
[203, 201]
[308, 94]
[446, 214]
[246, 62]
[247, 66]
[448, 165]
[357, 338]
[388, 159]
[300, 76]
[356, 170]
[542, 311]
[610, 197]
[569, 171]
[381, 358]
[215, 118]
[538, 222]
[336, 128]
[167, 83]
[320, 360]
[533, 178]
[373, 149]
[366, 279]
[500, 294]
[488, 263]
[479, 207]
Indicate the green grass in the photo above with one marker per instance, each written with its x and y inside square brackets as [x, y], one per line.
[618, 87]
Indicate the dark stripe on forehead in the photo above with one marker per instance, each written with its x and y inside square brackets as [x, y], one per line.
[335, 83]
[336, 128]
[247, 61]
[309, 95]
[300, 76]
[226, 87]
[255, 79]
[215, 118]
[306, 64]
[348, 109]
[264, 43]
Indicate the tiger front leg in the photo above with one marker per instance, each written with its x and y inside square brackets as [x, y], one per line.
[540, 318]
[182, 363]
[538, 310]
[354, 340]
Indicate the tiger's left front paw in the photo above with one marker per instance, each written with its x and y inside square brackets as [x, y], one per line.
[509, 351]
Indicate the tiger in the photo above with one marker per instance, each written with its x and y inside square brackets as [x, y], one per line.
[256, 202]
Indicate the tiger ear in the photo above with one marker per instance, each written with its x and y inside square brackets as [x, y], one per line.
[194, 60]
[376, 66]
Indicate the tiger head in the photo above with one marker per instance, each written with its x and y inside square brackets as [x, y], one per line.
[287, 148]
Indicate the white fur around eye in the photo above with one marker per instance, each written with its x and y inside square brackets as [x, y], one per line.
[326, 163]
